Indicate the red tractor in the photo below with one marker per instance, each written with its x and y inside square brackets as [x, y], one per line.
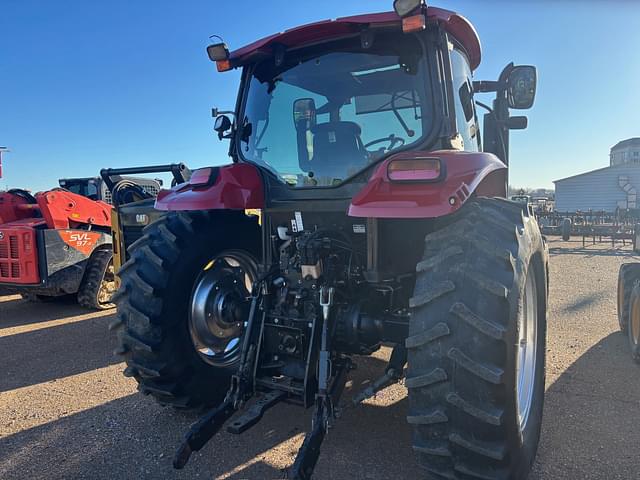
[381, 219]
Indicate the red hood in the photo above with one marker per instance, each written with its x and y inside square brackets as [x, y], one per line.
[324, 30]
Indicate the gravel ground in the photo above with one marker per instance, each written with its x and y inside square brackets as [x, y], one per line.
[67, 412]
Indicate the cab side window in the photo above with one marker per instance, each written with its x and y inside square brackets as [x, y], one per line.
[466, 121]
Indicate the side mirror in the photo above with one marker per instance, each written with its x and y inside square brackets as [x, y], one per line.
[521, 86]
[304, 113]
[221, 125]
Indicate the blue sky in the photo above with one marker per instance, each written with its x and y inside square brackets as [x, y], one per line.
[85, 85]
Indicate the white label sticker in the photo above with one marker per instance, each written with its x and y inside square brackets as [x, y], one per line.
[299, 221]
[332, 137]
[359, 228]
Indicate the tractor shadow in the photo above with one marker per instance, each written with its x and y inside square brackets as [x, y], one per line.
[592, 412]
[44, 354]
[589, 431]
[133, 437]
[371, 441]
[584, 302]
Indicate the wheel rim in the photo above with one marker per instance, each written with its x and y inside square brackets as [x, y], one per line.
[635, 321]
[527, 350]
[219, 307]
[108, 285]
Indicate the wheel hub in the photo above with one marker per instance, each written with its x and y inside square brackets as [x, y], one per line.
[527, 350]
[219, 307]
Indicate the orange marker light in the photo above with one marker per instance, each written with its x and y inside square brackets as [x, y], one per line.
[223, 65]
[414, 23]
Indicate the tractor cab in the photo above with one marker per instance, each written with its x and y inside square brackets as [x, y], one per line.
[325, 104]
[320, 118]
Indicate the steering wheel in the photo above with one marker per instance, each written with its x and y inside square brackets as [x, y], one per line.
[392, 139]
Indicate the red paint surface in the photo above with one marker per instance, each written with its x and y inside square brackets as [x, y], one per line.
[59, 208]
[63, 209]
[325, 30]
[18, 253]
[238, 186]
[55, 209]
[465, 172]
[13, 207]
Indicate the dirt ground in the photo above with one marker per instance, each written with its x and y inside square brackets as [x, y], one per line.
[66, 410]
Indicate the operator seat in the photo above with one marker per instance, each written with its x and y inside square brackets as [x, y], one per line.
[338, 151]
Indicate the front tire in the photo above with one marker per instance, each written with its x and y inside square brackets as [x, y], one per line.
[477, 344]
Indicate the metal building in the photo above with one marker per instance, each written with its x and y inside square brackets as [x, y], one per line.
[605, 189]
[609, 188]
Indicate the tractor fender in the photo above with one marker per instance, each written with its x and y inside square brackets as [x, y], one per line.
[237, 186]
[464, 173]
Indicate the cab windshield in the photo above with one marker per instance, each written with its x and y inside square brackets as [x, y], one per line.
[319, 119]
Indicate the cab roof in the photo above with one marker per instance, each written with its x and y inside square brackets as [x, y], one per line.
[325, 30]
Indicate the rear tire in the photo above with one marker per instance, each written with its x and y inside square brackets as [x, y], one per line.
[633, 330]
[628, 274]
[154, 302]
[474, 415]
[98, 285]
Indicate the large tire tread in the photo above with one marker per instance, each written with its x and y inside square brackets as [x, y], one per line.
[152, 302]
[463, 307]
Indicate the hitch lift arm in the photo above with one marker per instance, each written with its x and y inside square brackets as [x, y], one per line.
[241, 390]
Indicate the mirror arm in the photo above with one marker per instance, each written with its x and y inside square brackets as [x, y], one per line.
[517, 123]
[485, 106]
[222, 135]
[215, 111]
[484, 86]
